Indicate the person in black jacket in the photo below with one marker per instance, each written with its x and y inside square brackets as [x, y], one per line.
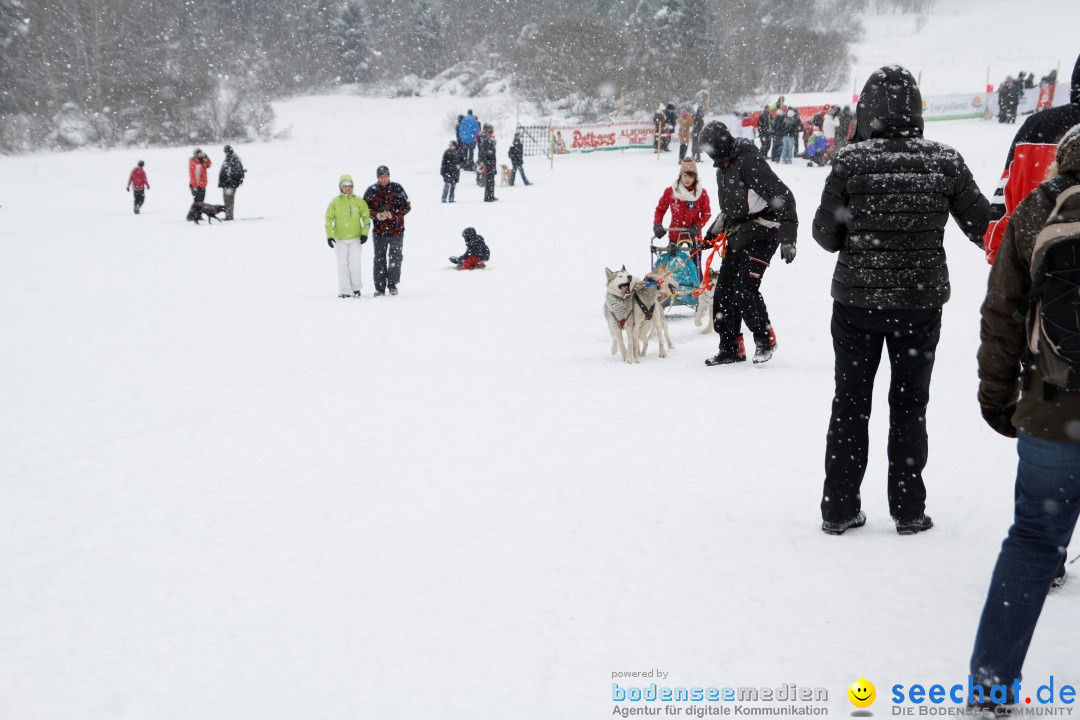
[389, 204]
[695, 138]
[517, 160]
[485, 154]
[757, 211]
[450, 171]
[764, 130]
[777, 134]
[476, 251]
[884, 208]
[230, 178]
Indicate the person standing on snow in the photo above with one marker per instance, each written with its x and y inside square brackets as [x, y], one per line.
[757, 211]
[792, 129]
[450, 171]
[884, 209]
[138, 180]
[517, 160]
[830, 125]
[843, 129]
[764, 130]
[686, 128]
[198, 167]
[1032, 151]
[1017, 401]
[389, 202]
[468, 129]
[487, 157]
[348, 222]
[230, 178]
[699, 123]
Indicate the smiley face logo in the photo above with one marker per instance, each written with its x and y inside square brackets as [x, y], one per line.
[862, 693]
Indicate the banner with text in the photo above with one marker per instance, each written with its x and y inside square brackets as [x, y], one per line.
[602, 136]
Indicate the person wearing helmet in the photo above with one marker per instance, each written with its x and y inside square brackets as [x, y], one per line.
[757, 212]
[138, 180]
[476, 251]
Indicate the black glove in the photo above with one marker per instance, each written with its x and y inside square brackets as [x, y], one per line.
[1000, 420]
[363, 239]
[672, 248]
[330, 242]
[710, 236]
[129, 189]
[693, 230]
[787, 251]
[658, 231]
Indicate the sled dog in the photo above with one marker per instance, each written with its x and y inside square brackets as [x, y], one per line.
[619, 313]
[648, 310]
[704, 303]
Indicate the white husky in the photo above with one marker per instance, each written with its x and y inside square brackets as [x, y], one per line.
[704, 304]
[619, 313]
[649, 310]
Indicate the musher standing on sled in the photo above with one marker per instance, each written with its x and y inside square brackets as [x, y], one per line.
[757, 211]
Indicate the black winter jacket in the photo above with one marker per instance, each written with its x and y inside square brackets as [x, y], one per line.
[748, 189]
[517, 153]
[485, 152]
[232, 172]
[475, 245]
[449, 169]
[392, 199]
[887, 200]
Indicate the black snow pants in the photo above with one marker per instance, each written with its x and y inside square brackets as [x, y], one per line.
[738, 289]
[388, 273]
[911, 337]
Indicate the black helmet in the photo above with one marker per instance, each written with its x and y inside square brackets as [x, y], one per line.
[716, 140]
[468, 233]
[140, 163]
[228, 149]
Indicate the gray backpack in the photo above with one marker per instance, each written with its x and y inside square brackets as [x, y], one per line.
[1053, 304]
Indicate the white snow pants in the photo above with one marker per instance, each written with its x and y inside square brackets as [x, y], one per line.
[348, 266]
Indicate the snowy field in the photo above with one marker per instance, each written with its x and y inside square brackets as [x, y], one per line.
[229, 494]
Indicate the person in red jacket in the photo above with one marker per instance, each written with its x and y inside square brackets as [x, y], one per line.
[138, 180]
[198, 174]
[688, 202]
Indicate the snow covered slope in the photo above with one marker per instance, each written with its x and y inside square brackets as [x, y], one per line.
[955, 44]
[227, 493]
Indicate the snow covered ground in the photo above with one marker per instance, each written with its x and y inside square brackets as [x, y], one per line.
[229, 494]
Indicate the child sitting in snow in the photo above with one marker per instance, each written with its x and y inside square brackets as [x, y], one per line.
[817, 149]
[476, 251]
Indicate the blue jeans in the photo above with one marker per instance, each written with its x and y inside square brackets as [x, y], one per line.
[1047, 506]
[515, 171]
[448, 191]
[789, 150]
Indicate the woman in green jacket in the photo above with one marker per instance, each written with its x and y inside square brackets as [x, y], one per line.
[348, 222]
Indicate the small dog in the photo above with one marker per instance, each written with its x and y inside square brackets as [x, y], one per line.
[704, 303]
[648, 310]
[619, 313]
[505, 171]
[198, 209]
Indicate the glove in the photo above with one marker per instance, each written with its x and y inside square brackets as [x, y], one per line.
[658, 231]
[1000, 420]
[710, 237]
[363, 239]
[672, 248]
[693, 230]
[129, 189]
[330, 242]
[787, 251]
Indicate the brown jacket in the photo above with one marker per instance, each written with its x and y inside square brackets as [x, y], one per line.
[686, 126]
[1003, 332]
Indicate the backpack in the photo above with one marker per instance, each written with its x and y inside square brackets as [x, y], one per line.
[1053, 304]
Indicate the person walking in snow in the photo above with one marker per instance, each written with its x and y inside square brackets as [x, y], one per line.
[476, 252]
[686, 129]
[890, 283]
[660, 124]
[390, 204]
[757, 213]
[198, 168]
[517, 160]
[230, 178]
[348, 222]
[138, 181]
[450, 171]
[1017, 401]
[764, 130]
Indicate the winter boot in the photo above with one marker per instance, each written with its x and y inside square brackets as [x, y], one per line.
[915, 525]
[356, 293]
[379, 293]
[392, 289]
[764, 345]
[455, 260]
[1059, 576]
[729, 355]
[841, 526]
[343, 295]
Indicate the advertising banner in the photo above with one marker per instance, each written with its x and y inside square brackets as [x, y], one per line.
[602, 136]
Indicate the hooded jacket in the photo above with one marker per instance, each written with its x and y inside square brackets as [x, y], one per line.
[1031, 153]
[887, 200]
[1056, 416]
[347, 216]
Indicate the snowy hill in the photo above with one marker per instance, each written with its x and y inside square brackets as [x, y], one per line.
[229, 494]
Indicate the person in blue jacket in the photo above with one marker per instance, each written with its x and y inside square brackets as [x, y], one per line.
[467, 132]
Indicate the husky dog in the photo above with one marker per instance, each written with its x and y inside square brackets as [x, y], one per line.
[649, 310]
[619, 313]
[504, 171]
[704, 303]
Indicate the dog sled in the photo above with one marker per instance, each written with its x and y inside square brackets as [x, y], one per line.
[683, 260]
